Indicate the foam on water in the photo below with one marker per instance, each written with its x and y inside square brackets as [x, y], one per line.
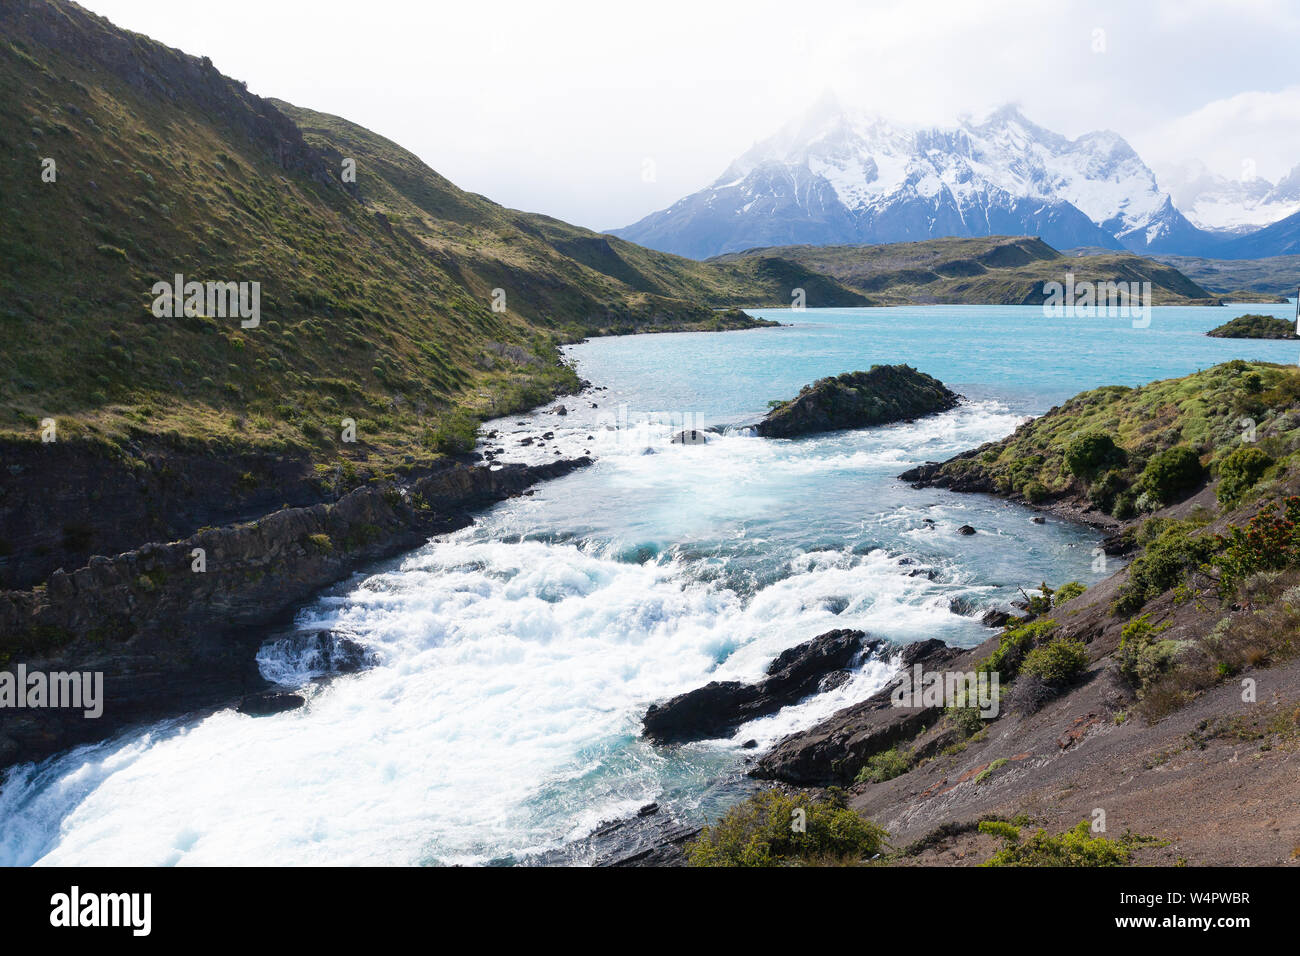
[506, 669]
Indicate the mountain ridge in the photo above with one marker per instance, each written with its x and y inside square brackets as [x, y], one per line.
[833, 176]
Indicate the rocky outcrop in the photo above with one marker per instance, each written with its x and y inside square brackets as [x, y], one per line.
[110, 498]
[960, 473]
[885, 394]
[174, 626]
[718, 708]
[832, 752]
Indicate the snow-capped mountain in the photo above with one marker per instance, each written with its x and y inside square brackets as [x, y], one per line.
[835, 176]
[1230, 206]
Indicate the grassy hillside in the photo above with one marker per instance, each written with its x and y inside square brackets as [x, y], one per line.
[1270, 280]
[376, 295]
[995, 270]
[1134, 450]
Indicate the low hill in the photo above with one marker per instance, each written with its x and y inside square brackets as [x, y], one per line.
[1272, 279]
[999, 270]
[1115, 453]
[1255, 327]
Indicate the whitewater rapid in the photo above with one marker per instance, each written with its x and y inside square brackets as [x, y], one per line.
[514, 658]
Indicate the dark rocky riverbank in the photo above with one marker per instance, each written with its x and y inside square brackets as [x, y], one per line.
[174, 626]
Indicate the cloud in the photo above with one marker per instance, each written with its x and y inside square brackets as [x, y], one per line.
[1257, 131]
[556, 107]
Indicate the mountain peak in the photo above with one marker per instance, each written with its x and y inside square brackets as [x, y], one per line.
[854, 176]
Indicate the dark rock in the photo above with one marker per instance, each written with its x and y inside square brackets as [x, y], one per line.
[961, 605]
[833, 680]
[832, 752]
[886, 393]
[1117, 545]
[718, 708]
[750, 744]
[959, 473]
[965, 529]
[919, 651]
[561, 410]
[1038, 519]
[271, 702]
[995, 618]
[690, 437]
[648, 810]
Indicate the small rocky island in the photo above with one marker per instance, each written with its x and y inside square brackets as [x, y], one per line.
[884, 394]
[1255, 327]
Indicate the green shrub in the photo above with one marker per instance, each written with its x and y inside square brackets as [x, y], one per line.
[1074, 847]
[762, 831]
[1166, 562]
[1068, 592]
[1039, 603]
[455, 434]
[1016, 642]
[1240, 471]
[969, 720]
[1270, 541]
[886, 766]
[1000, 828]
[1057, 662]
[1171, 474]
[320, 543]
[1105, 491]
[1034, 492]
[1141, 657]
[1086, 455]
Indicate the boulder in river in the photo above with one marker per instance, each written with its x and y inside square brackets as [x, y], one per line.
[884, 394]
[718, 708]
[690, 437]
[834, 750]
[995, 618]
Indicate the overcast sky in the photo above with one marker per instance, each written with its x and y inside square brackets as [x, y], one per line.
[556, 106]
